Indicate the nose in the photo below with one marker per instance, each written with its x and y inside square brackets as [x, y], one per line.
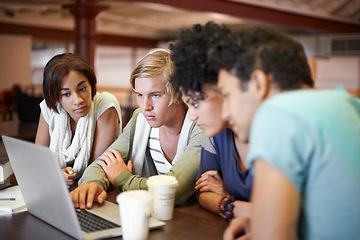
[192, 115]
[77, 99]
[147, 104]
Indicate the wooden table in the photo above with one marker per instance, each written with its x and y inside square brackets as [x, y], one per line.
[189, 222]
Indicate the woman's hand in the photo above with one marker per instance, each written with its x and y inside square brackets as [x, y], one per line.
[69, 175]
[211, 181]
[242, 209]
[113, 164]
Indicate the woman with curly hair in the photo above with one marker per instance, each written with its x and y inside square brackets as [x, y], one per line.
[223, 179]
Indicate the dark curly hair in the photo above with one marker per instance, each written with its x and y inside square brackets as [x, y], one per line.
[277, 54]
[57, 69]
[189, 53]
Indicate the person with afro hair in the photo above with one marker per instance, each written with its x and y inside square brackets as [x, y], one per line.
[223, 176]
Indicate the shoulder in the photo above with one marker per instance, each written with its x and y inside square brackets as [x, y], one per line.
[306, 106]
[104, 98]
[223, 140]
[103, 101]
[47, 113]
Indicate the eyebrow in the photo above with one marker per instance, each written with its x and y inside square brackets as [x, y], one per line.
[156, 92]
[62, 89]
[194, 98]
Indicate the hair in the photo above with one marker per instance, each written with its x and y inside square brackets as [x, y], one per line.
[157, 63]
[189, 53]
[57, 69]
[280, 56]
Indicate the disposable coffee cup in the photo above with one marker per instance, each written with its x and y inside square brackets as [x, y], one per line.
[135, 210]
[163, 189]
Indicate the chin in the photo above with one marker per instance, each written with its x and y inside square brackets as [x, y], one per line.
[212, 132]
[154, 124]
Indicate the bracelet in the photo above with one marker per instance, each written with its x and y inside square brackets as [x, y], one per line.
[219, 204]
[227, 207]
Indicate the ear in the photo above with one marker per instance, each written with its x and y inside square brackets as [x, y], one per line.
[260, 84]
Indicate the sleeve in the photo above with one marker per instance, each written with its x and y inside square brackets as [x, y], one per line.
[45, 111]
[283, 140]
[184, 170]
[209, 159]
[103, 101]
[95, 173]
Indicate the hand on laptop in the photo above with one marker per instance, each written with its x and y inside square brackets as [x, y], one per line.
[87, 193]
[113, 164]
[69, 175]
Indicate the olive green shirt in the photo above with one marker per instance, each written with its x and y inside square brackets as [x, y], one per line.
[184, 170]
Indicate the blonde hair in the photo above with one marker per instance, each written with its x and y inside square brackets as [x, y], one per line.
[157, 63]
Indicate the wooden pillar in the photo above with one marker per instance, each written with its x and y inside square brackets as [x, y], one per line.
[85, 12]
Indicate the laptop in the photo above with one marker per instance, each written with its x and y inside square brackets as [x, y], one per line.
[46, 195]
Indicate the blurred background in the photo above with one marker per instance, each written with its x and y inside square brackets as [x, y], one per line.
[113, 35]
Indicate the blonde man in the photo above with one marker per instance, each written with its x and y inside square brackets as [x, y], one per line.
[159, 139]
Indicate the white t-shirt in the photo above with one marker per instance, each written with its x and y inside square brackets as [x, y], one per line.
[102, 102]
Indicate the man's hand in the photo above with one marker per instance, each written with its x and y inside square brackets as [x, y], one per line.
[211, 181]
[87, 193]
[69, 175]
[238, 226]
[113, 164]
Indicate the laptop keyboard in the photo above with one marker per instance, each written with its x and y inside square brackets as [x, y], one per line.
[90, 222]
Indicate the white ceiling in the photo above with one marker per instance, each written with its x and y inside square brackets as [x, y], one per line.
[152, 20]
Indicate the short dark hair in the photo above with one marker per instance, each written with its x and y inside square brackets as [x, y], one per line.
[59, 67]
[277, 54]
[189, 53]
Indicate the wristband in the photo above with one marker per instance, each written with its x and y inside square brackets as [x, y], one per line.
[227, 207]
[219, 204]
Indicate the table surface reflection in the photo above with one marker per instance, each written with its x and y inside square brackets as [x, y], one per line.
[189, 222]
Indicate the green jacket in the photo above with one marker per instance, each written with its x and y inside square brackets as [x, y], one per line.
[184, 170]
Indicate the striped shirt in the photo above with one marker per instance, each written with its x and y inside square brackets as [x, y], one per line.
[161, 163]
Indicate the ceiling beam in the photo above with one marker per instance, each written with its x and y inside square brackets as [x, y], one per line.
[59, 35]
[37, 32]
[107, 39]
[263, 14]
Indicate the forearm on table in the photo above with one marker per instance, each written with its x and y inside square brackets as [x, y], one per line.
[127, 181]
[210, 201]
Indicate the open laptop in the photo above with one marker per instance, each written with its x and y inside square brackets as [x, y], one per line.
[46, 195]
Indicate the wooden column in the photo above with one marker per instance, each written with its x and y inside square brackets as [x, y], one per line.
[85, 12]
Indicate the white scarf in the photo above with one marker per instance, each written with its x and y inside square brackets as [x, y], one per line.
[79, 149]
[141, 138]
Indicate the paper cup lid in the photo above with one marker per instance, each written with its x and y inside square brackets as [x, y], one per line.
[134, 195]
[162, 180]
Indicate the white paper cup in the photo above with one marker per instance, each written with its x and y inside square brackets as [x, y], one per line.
[163, 189]
[135, 210]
